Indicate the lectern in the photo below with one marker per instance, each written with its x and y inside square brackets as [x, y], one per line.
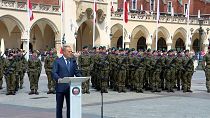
[75, 95]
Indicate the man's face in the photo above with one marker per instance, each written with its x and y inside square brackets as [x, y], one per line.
[67, 53]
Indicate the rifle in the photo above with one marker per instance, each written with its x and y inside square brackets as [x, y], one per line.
[9, 68]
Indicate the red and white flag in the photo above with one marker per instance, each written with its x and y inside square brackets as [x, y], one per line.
[158, 12]
[187, 12]
[112, 6]
[30, 12]
[125, 11]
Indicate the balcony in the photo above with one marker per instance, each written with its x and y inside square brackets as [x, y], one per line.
[5, 4]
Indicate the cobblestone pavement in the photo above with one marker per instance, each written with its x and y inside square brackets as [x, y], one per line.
[116, 105]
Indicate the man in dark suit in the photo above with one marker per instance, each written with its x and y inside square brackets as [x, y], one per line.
[64, 66]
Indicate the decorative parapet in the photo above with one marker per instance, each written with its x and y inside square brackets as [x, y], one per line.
[163, 19]
[36, 7]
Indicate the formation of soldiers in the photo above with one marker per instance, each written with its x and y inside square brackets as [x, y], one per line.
[123, 70]
[116, 69]
[13, 68]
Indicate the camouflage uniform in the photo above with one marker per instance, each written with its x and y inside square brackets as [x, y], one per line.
[139, 73]
[22, 71]
[187, 76]
[84, 62]
[170, 73]
[18, 72]
[121, 73]
[48, 69]
[155, 82]
[34, 67]
[9, 73]
[179, 71]
[2, 64]
[206, 68]
[104, 72]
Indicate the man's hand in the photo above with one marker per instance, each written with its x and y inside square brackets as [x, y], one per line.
[59, 80]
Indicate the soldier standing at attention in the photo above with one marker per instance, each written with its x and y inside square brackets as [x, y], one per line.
[9, 73]
[2, 63]
[48, 65]
[189, 70]
[34, 66]
[84, 62]
[206, 68]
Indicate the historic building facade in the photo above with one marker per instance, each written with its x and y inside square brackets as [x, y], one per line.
[76, 22]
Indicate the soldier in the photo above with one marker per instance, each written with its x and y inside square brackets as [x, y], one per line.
[157, 67]
[170, 73]
[147, 79]
[34, 67]
[121, 72]
[179, 69]
[111, 59]
[23, 69]
[84, 62]
[139, 73]
[189, 70]
[2, 63]
[206, 68]
[48, 65]
[9, 73]
[104, 70]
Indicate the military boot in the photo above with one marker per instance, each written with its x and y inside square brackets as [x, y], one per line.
[208, 91]
[36, 92]
[31, 92]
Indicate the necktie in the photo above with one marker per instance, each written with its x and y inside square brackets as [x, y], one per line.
[68, 64]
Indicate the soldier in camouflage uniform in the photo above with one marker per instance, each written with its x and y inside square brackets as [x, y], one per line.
[206, 68]
[179, 69]
[121, 72]
[147, 60]
[84, 62]
[23, 69]
[111, 60]
[9, 73]
[48, 65]
[34, 67]
[2, 63]
[157, 68]
[131, 70]
[189, 70]
[18, 70]
[139, 73]
[170, 74]
[104, 71]
[163, 72]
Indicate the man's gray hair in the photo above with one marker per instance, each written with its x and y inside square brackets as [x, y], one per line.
[65, 46]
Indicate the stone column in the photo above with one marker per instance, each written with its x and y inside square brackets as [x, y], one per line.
[69, 24]
[169, 43]
[24, 40]
[169, 46]
[205, 45]
[149, 42]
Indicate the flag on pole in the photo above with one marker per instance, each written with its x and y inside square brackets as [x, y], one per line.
[187, 13]
[199, 14]
[172, 11]
[62, 7]
[30, 10]
[112, 6]
[125, 11]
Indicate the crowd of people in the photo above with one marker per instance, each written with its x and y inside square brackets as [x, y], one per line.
[115, 69]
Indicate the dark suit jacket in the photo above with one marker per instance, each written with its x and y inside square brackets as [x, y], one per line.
[60, 70]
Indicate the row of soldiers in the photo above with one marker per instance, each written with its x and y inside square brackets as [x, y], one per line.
[13, 68]
[124, 69]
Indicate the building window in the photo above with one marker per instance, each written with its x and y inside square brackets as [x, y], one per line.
[152, 5]
[134, 4]
[169, 6]
[185, 9]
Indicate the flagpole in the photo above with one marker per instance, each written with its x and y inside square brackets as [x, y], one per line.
[123, 24]
[188, 18]
[28, 31]
[61, 12]
[158, 16]
[94, 22]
